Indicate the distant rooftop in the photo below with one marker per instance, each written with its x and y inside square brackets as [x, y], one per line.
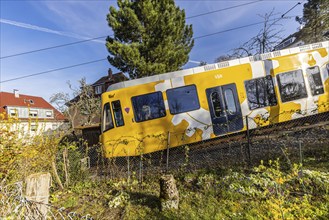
[20, 100]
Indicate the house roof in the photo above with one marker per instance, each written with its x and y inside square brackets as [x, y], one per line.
[100, 81]
[105, 80]
[9, 99]
[118, 77]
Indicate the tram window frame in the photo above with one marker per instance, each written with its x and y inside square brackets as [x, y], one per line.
[107, 109]
[118, 116]
[269, 98]
[299, 76]
[148, 106]
[316, 87]
[178, 95]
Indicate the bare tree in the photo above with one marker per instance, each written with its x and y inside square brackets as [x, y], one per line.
[223, 58]
[264, 41]
[82, 108]
[267, 37]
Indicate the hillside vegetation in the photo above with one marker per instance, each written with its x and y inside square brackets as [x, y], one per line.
[263, 192]
[272, 189]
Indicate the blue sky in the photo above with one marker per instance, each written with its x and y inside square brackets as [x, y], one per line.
[31, 25]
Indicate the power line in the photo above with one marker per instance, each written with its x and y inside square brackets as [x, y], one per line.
[299, 3]
[49, 71]
[175, 0]
[91, 39]
[236, 28]
[116, 0]
[81, 64]
[234, 0]
[284, 14]
[224, 9]
[53, 47]
[248, 25]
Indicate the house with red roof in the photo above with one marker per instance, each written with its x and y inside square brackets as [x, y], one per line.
[33, 114]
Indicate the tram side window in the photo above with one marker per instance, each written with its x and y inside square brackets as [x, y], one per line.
[148, 106]
[183, 99]
[314, 78]
[229, 100]
[215, 100]
[260, 92]
[107, 118]
[291, 85]
[117, 112]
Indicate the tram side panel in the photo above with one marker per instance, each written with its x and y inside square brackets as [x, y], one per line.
[300, 81]
[201, 106]
[145, 121]
[221, 96]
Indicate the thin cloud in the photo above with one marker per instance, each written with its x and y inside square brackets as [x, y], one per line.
[46, 30]
[76, 16]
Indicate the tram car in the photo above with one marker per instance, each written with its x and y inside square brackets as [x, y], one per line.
[173, 109]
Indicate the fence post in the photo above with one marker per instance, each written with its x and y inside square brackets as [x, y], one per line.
[248, 139]
[300, 152]
[168, 145]
[301, 156]
[141, 169]
[128, 170]
[37, 191]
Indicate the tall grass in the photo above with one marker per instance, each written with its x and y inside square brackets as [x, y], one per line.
[23, 152]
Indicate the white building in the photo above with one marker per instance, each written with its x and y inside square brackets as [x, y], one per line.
[28, 115]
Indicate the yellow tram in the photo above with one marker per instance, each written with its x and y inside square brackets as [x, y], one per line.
[172, 109]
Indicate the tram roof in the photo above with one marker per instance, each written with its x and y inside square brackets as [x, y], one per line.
[220, 65]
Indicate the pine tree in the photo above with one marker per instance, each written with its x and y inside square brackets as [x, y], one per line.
[315, 20]
[150, 37]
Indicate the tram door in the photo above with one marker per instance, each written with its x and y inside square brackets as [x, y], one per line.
[224, 108]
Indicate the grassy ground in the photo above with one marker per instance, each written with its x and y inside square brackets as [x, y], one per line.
[270, 190]
[274, 189]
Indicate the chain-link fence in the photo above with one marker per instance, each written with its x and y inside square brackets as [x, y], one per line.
[263, 139]
[288, 141]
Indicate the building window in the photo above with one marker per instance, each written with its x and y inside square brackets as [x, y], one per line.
[260, 92]
[148, 106]
[33, 113]
[33, 127]
[107, 122]
[13, 113]
[291, 85]
[54, 126]
[314, 78]
[117, 112]
[183, 99]
[98, 90]
[49, 114]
